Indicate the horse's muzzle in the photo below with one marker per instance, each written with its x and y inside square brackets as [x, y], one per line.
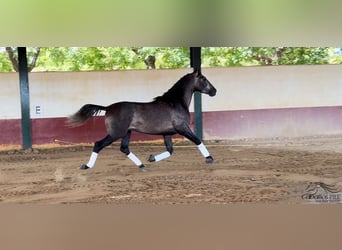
[212, 92]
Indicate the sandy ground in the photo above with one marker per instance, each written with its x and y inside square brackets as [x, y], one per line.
[245, 171]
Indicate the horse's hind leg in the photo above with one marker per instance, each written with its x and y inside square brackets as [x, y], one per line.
[166, 154]
[98, 146]
[124, 148]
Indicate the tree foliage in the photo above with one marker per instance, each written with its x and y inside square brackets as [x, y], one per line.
[119, 58]
[9, 58]
[5, 63]
[32, 53]
[246, 56]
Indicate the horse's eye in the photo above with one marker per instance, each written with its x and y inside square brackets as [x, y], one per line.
[203, 83]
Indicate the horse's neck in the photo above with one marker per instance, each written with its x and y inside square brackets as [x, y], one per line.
[187, 96]
[180, 94]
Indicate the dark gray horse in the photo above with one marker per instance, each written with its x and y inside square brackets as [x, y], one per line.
[166, 115]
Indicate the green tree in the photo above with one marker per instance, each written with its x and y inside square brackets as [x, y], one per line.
[119, 58]
[88, 58]
[54, 59]
[246, 56]
[164, 57]
[5, 63]
[12, 53]
[335, 56]
[291, 55]
[227, 56]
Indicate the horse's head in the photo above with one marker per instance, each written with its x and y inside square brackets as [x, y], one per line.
[202, 84]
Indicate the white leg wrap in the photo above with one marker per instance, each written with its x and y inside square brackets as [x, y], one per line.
[135, 159]
[203, 150]
[92, 160]
[162, 156]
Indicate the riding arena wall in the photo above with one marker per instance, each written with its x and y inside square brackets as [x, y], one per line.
[251, 102]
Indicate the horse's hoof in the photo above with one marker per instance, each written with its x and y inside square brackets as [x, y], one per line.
[151, 158]
[84, 167]
[209, 159]
[142, 168]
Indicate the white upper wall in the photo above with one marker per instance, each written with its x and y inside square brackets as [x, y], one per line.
[9, 96]
[240, 88]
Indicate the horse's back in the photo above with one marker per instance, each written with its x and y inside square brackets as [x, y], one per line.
[152, 118]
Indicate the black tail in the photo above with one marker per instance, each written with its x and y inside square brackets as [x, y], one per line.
[85, 113]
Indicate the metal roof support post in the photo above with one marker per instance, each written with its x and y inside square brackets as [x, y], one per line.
[24, 99]
[195, 62]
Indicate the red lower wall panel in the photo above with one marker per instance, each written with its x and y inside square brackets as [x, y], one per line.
[263, 123]
[266, 123]
[10, 132]
[47, 130]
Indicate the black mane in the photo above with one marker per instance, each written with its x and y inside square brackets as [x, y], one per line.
[176, 92]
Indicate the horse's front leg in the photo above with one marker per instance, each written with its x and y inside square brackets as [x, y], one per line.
[167, 153]
[185, 131]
